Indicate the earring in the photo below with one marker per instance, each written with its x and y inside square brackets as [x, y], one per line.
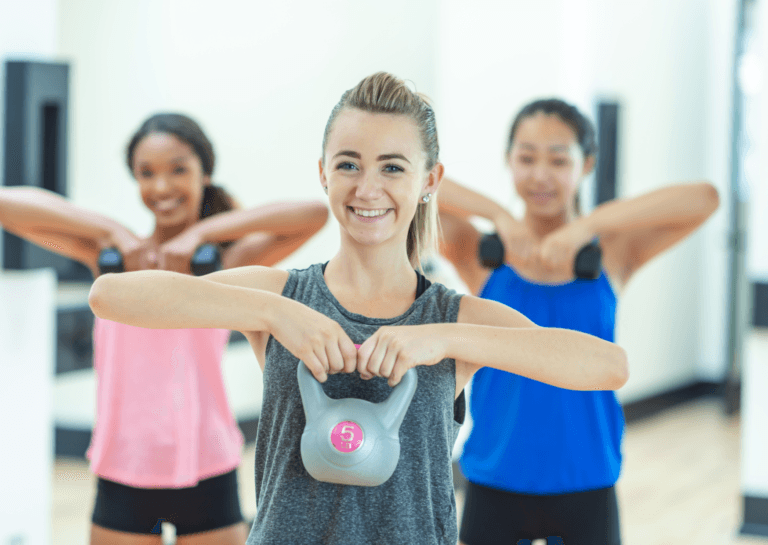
[426, 197]
[325, 188]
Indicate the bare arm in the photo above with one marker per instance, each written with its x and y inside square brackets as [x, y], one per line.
[169, 300]
[39, 209]
[640, 228]
[460, 240]
[246, 299]
[283, 220]
[51, 221]
[490, 334]
[460, 201]
[279, 231]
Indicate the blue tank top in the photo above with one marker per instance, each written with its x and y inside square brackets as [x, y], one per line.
[533, 438]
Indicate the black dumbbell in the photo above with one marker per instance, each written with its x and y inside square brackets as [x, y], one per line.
[205, 260]
[587, 264]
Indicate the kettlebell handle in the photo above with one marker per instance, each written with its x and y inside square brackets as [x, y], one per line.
[391, 411]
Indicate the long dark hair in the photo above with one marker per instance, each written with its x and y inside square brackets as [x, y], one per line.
[215, 198]
[568, 114]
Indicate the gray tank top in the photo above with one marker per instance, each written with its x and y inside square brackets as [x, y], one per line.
[416, 505]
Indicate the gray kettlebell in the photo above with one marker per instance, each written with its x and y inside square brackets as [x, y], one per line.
[352, 441]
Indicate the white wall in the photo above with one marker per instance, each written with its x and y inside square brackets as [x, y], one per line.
[28, 31]
[261, 78]
[493, 58]
[755, 81]
[650, 59]
[754, 439]
[26, 389]
[712, 305]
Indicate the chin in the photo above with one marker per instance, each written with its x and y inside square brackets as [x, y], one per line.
[547, 211]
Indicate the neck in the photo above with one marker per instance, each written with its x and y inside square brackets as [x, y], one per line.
[369, 272]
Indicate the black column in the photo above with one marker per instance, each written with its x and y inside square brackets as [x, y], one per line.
[36, 121]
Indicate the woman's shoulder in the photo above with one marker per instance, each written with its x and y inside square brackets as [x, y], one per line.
[306, 280]
[444, 300]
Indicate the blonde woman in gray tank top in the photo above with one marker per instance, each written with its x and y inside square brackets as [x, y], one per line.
[380, 169]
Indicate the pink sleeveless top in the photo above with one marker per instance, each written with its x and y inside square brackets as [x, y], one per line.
[162, 418]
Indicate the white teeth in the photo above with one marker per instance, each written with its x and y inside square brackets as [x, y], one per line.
[164, 206]
[369, 213]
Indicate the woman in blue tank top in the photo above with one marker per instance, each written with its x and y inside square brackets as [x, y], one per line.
[542, 461]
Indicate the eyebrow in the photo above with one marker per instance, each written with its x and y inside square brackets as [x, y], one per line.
[560, 148]
[179, 159]
[385, 157]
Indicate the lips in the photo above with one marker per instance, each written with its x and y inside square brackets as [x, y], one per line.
[542, 196]
[167, 205]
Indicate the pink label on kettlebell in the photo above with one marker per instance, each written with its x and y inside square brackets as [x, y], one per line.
[347, 436]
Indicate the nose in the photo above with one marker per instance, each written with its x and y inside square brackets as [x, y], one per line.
[160, 184]
[540, 171]
[369, 187]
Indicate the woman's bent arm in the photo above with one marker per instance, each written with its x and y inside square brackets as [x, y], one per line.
[491, 334]
[32, 208]
[560, 357]
[169, 300]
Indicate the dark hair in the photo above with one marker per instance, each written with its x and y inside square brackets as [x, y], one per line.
[215, 199]
[568, 114]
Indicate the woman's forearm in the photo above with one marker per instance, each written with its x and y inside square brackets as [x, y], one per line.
[169, 300]
[683, 205]
[280, 219]
[457, 200]
[38, 209]
[561, 357]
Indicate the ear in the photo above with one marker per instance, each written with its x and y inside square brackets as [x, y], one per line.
[434, 178]
[206, 180]
[323, 181]
[589, 165]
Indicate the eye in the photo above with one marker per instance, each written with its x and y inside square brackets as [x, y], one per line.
[559, 162]
[346, 165]
[525, 159]
[393, 168]
[145, 174]
[179, 170]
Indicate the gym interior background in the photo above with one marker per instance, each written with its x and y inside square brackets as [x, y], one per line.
[684, 78]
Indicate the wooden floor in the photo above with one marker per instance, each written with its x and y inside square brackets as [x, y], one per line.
[679, 486]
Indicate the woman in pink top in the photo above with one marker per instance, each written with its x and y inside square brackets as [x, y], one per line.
[165, 445]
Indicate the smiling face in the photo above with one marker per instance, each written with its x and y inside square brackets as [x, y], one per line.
[375, 171]
[547, 164]
[171, 178]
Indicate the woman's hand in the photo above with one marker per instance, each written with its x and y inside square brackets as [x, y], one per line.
[133, 249]
[321, 343]
[392, 350]
[559, 248]
[176, 254]
[520, 248]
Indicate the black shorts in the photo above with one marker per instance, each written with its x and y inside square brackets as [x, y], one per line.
[213, 504]
[498, 517]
